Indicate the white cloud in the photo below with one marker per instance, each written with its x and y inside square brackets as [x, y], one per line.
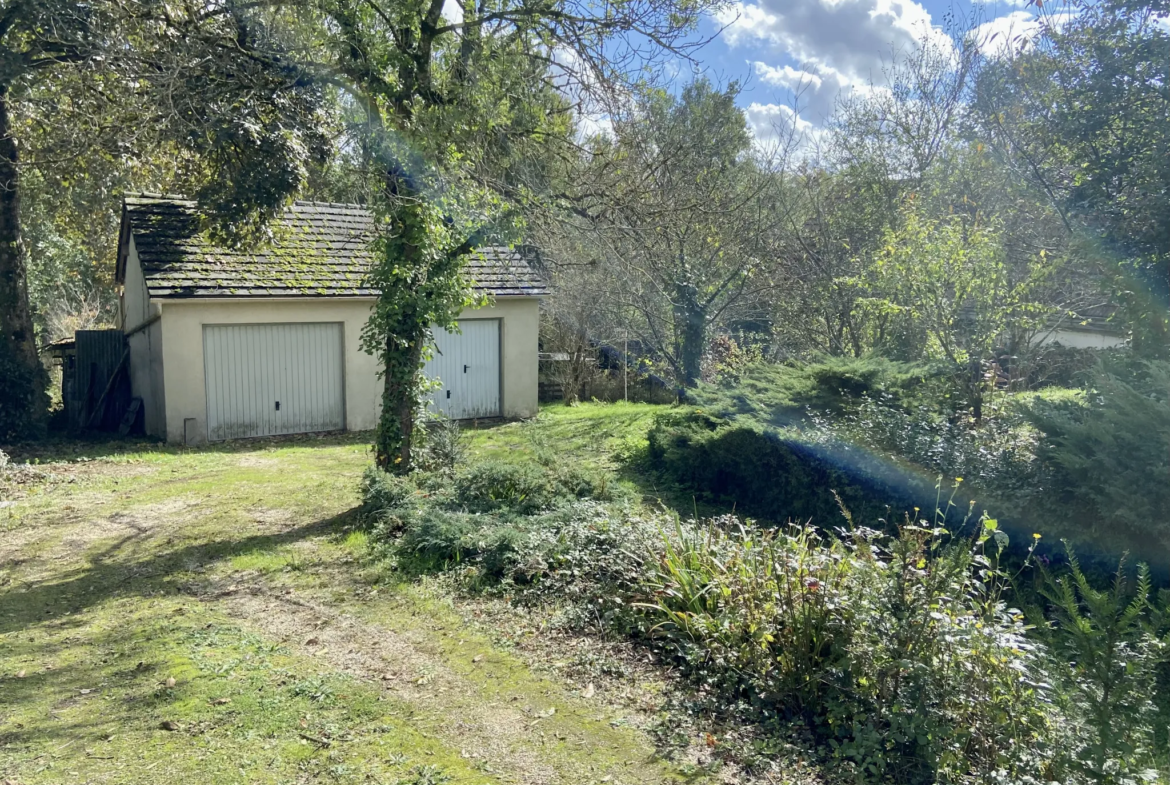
[853, 37]
[815, 91]
[1163, 22]
[843, 46]
[772, 123]
[1007, 36]
[590, 125]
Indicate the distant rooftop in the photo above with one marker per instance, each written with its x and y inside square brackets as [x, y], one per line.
[318, 249]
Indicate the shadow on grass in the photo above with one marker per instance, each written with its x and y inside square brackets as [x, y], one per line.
[657, 490]
[161, 573]
[61, 448]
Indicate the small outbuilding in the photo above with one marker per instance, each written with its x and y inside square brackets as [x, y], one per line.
[229, 343]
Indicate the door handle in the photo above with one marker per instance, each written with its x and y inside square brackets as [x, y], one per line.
[448, 393]
[465, 369]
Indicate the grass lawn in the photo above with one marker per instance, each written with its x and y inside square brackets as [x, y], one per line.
[206, 615]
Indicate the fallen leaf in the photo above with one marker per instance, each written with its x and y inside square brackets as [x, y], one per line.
[589, 691]
[85, 692]
[168, 725]
[388, 677]
[221, 701]
[477, 658]
[170, 681]
[312, 642]
[20, 674]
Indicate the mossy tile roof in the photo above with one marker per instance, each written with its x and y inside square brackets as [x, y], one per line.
[316, 249]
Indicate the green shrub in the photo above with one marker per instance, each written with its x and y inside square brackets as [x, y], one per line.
[996, 455]
[779, 474]
[581, 549]
[444, 445]
[576, 482]
[433, 538]
[1108, 648]
[1108, 457]
[493, 485]
[1091, 466]
[897, 652]
[382, 491]
[524, 488]
[777, 394]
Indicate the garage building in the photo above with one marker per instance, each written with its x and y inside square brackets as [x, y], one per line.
[230, 343]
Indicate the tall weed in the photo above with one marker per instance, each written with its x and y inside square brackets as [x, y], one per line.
[1108, 646]
[899, 652]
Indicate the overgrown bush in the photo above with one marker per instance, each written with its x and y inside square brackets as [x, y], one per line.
[1091, 466]
[583, 550]
[516, 521]
[898, 652]
[382, 491]
[779, 395]
[444, 445]
[525, 488]
[1108, 457]
[492, 485]
[779, 473]
[1109, 646]
[997, 454]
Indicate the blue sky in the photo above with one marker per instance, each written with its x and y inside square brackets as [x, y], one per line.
[823, 48]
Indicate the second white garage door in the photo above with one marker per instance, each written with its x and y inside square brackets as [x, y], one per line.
[468, 366]
[270, 379]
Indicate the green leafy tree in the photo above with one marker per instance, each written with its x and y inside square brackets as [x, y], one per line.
[454, 123]
[104, 81]
[682, 203]
[947, 280]
[1085, 115]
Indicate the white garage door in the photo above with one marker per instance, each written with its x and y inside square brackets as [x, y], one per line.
[269, 379]
[468, 365]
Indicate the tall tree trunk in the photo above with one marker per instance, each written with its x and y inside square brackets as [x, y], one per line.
[23, 403]
[405, 331]
[395, 434]
[691, 324]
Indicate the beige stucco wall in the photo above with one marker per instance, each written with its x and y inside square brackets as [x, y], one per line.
[519, 347]
[182, 353]
[146, 357]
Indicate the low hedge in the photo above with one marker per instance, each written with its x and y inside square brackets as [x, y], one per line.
[779, 474]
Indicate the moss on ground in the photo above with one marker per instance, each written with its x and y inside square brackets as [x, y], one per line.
[146, 564]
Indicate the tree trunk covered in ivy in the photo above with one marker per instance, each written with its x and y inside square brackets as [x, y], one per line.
[401, 397]
[421, 286]
[397, 326]
[23, 403]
